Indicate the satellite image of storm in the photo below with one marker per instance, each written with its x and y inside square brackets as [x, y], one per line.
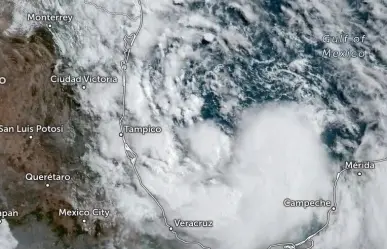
[193, 124]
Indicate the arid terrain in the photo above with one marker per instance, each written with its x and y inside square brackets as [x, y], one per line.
[29, 98]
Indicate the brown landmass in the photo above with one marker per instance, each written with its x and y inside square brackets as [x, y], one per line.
[6, 9]
[29, 98]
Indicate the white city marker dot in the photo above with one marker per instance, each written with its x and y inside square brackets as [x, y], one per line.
[84, 221]
[359, 173]
[47, 185]
[30, 137]
[333, 208]
[83, 87]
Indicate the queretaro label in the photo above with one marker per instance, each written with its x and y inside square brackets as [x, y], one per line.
[47, 177]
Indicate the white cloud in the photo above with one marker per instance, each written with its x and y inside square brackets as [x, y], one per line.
[206, 143]
[199, 172]
[277, 155]
[7, 241]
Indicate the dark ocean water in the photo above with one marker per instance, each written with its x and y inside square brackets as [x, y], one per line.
[261, 75]
[258, 87]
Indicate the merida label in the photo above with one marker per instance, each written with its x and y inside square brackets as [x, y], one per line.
[359, 165]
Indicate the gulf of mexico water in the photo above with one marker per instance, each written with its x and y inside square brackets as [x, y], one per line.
[251, 110]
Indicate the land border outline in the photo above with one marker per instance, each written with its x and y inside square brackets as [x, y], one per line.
[132, 156]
